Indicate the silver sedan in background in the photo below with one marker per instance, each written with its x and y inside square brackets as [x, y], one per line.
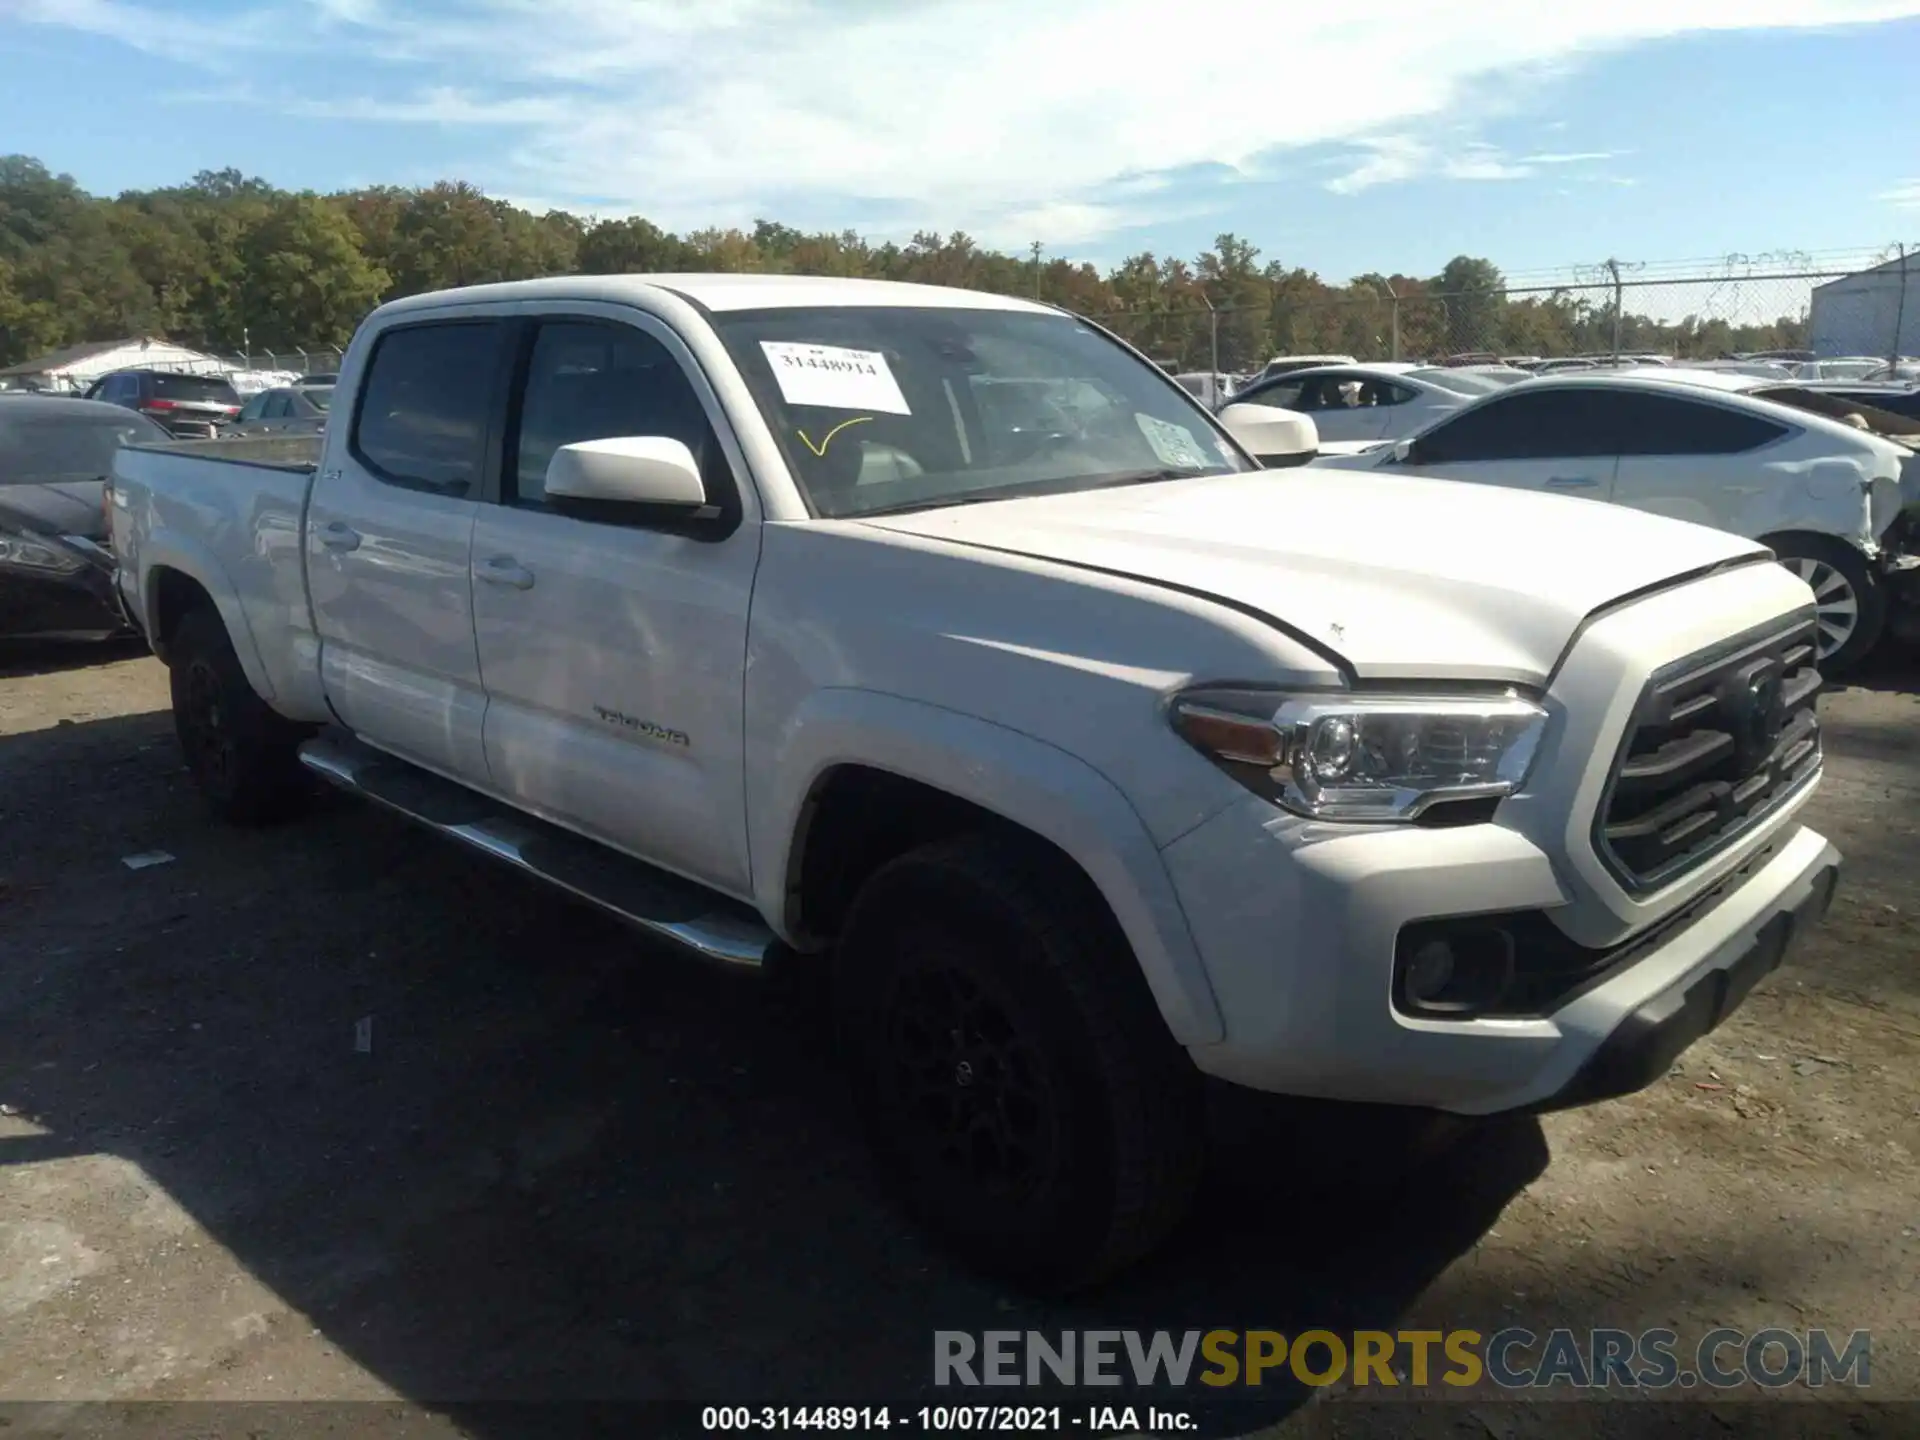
[1384, 401]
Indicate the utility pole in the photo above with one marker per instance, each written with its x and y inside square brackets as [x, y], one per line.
[1899, 310]
[1613, 269]
[1213, 336]
[1037, 250]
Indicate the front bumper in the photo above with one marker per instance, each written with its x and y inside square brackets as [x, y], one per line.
[1644, 1045]
[1303, 968]
[80, 605]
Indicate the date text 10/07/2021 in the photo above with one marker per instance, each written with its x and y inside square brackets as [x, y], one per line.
[996, 1419]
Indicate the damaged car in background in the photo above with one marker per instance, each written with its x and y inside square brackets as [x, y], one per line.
[1829, 485]
[56, 570]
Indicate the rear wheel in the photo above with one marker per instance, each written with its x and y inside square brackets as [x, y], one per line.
[1014, 1075]
[243, 757]
[1852, 605]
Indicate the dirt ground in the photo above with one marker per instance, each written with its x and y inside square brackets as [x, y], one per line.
[568, 1165]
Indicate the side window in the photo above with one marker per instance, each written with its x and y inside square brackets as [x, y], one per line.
[422, 420]
[1384, 392]
[1671, 425]
[1538, 425]
[592, 381]
[253, 409]
[1282, 395]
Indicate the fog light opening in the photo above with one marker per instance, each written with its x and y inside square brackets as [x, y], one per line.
[1458, 974]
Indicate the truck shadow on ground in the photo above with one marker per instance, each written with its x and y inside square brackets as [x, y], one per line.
[22, 658]
[570, 1166]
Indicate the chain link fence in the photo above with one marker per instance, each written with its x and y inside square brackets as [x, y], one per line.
[1612, 311]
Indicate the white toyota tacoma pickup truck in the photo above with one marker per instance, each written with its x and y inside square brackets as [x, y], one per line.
[943, 637]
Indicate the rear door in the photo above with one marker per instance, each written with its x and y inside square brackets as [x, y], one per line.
[389, 538]
[1699, 459]
[1564, 442]
[614, 648]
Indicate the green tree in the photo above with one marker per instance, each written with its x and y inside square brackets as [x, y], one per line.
[307, 281]
[1475, 294]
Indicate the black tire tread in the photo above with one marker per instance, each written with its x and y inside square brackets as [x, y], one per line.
[1152, 1088]
[273, 785]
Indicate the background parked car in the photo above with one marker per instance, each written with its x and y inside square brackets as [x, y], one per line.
[1211, 388]
[1387, 401]
[193, 407]
[1832, 501]
[1844, 367]
[286, 410]
[1287, 364]
[1894, 398]
[56, 572]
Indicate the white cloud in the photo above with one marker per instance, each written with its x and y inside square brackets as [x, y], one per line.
[1394, 158]
[1902, 196]
[996, 116]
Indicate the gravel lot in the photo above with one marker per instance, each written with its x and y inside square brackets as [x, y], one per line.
[573, 1166]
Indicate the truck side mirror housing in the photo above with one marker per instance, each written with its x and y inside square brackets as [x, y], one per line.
[1273, 436]
[627, 470]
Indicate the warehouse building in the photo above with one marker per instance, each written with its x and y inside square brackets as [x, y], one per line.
[1873, 312]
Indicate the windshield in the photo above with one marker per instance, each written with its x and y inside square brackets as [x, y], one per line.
[37, 449]
[195, 387]
[895, 408]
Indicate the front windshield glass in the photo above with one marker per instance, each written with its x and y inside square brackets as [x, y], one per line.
[904, 408]
[40, 448]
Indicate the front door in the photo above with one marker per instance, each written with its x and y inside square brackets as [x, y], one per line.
[389, 535]
[614, 650]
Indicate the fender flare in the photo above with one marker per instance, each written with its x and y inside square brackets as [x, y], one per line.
[1028, 782]
[171, 550]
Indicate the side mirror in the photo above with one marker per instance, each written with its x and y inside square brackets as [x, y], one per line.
[1402, 452]
[627, 470]
[1271, 435]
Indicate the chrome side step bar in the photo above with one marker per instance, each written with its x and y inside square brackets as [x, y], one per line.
[662, 905]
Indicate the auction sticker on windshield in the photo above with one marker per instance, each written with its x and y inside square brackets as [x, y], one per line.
[835, 378]
[1174, 444]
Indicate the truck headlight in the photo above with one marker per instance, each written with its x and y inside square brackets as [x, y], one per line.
[17, 552]
[1364, 757]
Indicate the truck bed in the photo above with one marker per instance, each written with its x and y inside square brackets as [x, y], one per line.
[298, 453]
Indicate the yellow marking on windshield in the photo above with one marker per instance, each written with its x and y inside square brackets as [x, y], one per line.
[821, 448]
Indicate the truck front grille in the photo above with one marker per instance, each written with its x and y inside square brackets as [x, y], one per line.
[1717, 741]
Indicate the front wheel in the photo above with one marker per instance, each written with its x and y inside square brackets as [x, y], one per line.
[1850, 600]
[243, 757]
[1014, 1075]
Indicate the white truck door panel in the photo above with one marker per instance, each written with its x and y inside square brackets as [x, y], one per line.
[389, 541]
[613, 649]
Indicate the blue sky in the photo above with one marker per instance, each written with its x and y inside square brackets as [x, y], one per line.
[1342, 138]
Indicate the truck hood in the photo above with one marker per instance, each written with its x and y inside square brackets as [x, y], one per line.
[1398, 578]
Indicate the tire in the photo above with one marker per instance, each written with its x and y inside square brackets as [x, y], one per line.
[1852, 601]
[1015, 1078]
[243, 757]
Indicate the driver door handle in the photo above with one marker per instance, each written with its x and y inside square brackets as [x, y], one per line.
[1574, 482]
[338, 535]
[505, 570]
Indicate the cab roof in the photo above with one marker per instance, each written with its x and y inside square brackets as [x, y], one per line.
[723, 292]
